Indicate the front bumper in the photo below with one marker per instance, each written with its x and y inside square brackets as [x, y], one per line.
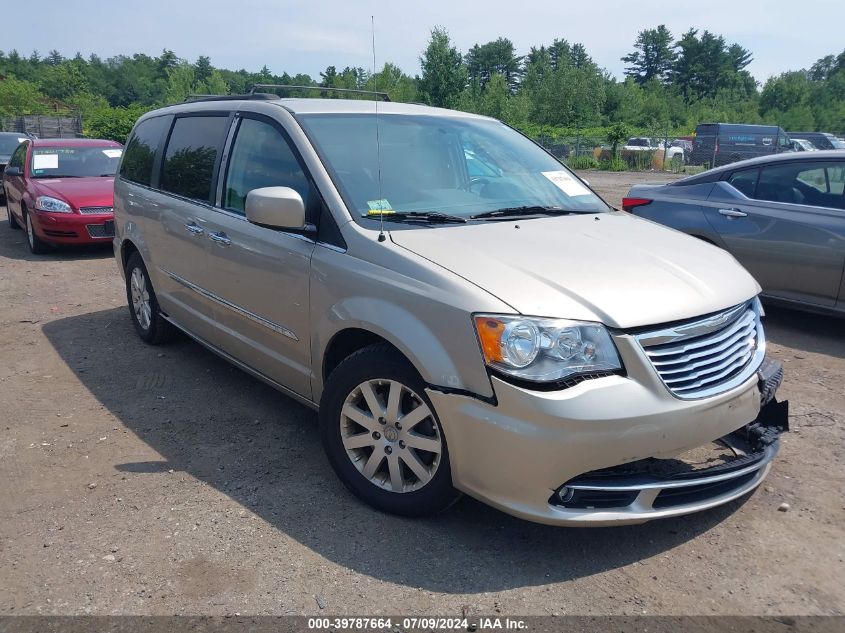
[517, 455]
[73, 228]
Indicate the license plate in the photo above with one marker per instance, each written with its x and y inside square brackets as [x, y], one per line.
[108, 228]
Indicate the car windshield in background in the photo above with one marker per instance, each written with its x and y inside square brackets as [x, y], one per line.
[837, 144]
[451, 165]
[74, 162]
[9, 144]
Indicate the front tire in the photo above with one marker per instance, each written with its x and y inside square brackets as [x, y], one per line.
[13, 223]
[36, 245]
[382, 435]
[144, 310]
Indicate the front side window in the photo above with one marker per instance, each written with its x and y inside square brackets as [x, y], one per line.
[261, 157]
[137, 164]
[815, 183]
[448, 164]
[19, 156]
[191, 155]
[74, 162]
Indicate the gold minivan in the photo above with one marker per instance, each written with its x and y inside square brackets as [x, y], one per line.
[466, 314]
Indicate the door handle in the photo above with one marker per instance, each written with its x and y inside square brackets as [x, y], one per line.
[193, 227]
[220, 238]
[733, 213]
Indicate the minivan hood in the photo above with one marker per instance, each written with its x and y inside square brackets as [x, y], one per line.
[613, 268]
[95, 191]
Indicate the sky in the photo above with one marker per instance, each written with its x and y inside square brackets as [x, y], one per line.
[308, 36]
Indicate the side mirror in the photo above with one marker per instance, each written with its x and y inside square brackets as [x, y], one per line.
[275, 207]
[13, 171]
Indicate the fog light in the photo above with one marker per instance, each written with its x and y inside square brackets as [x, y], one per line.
[565, 494]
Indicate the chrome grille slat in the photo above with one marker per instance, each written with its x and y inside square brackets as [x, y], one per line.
[708, 356]
[706, 340]
[720, 352]
[96, 210]
[706, 377]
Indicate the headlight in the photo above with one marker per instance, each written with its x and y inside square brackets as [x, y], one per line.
[545, 350]
[53, 205]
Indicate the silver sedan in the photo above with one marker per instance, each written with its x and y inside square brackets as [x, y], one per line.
[782, 217]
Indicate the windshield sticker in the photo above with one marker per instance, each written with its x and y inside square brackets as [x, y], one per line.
[377, 207]
[45, 161]
[566, 183]
[113, 153]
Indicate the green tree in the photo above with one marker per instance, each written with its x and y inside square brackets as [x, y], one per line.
[653, 56]
[496, 57]
[443, 75]
[20, 97]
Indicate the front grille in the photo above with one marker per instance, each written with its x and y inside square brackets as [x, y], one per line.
[96, 210]
[97, 230]
[705, 357]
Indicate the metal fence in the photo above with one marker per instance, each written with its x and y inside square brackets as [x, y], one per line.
[44, 125]
[584, 152]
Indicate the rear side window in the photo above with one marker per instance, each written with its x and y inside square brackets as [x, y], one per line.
[745, 181]
[138, 158]
[191, 155]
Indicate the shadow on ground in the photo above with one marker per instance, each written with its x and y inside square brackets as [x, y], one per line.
[261, 449]
[805, 331]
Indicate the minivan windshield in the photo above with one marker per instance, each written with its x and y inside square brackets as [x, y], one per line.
[453, 165]
[75, 162]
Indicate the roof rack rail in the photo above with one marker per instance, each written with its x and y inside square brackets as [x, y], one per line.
[381, 95]
[255, 96]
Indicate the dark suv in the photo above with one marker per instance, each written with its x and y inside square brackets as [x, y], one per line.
[822, 140]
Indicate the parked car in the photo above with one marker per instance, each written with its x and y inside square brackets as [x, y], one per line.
[61, 190]
[800, 145]
[717, 144]
[782, 217]
[494, 329]
[645, 144]
[820, 140]
[9, 142]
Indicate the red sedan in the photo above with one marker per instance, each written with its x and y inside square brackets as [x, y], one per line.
[62, 191]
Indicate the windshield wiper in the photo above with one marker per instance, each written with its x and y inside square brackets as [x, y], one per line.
[515, 212]
[426, 217]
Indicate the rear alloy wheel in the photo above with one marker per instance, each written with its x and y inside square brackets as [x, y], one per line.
[382, 435]
[147, 318]
[37, 246]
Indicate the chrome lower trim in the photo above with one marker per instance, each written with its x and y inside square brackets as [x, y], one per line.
[770, 453]
[272, 325]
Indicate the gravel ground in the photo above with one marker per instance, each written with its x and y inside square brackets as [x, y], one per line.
[141, 480]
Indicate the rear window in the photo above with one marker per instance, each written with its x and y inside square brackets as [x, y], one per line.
[191, 155]
[139, 156]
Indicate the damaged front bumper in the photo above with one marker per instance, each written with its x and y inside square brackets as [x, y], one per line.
[612, 450]
[652, 488]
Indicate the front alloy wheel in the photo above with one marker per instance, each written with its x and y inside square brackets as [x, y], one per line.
[382, 435]
[390, 435]
[36, 245]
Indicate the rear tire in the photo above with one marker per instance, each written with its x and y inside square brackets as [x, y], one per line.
[144, 310]
[36, 245]
[382, 436]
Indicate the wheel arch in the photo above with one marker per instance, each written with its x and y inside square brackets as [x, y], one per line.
[367, 321]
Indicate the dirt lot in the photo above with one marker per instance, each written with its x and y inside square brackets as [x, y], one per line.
[162, 480]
